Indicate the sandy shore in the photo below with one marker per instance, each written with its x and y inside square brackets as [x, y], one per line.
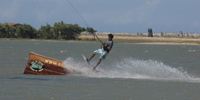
[147, 40]
[128, 39]
[165, 43]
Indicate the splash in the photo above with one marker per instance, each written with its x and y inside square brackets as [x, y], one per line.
[131, 68]
[77, 68]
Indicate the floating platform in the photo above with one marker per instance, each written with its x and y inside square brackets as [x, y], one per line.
[41, 65]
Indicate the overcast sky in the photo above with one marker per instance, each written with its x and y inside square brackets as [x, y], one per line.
[118, 16]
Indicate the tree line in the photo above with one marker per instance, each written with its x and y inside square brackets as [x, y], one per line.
[58, 31]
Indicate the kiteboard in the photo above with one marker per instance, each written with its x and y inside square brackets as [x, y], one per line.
[84, 57]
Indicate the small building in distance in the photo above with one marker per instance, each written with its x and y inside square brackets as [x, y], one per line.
[13, 24]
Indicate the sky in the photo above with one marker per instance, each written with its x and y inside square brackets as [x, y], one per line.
[116, 16]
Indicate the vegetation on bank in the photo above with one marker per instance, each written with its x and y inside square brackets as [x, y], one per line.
[59, 31]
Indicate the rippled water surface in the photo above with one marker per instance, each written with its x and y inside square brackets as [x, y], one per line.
[130, 72]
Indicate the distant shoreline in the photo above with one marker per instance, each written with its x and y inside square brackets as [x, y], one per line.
[130, 40]
[134, 39]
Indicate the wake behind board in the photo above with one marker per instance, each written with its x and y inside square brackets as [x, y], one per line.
[84, 57]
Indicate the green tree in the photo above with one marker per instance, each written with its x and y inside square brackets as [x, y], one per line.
[72, 31]
[10, 31]
[58, 29]
[45, 32]
[67, 31]
[2, 31]
[26, 31]
[7, 31]
[91, 31]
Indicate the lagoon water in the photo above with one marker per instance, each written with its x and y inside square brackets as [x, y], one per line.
[130, 72]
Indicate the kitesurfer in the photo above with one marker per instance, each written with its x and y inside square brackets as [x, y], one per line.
[103, 52]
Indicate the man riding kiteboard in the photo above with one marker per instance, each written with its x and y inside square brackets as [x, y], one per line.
[103, 52]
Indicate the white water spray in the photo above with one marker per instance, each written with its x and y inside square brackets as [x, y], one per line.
[131, 68]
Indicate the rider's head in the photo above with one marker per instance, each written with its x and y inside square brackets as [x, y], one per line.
[110, 36]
